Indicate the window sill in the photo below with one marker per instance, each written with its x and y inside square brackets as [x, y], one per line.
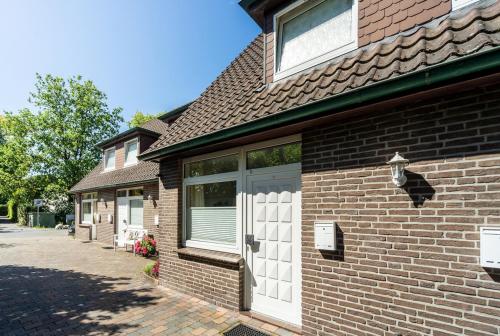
[230, 258]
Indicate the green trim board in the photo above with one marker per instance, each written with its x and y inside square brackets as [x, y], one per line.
[138, 130]
[432, 76]
[116, 185]
[175, 112]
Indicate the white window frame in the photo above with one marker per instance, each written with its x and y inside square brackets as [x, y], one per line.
[93, 202]
[240, 177]
[278, 37]
[125, 146]
[129, 198]
[106, 151]
[214, 178]
[457, 4]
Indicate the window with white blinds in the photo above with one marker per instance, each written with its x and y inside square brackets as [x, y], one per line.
[211, 212]
[314, 32]
[131, 152]
[89, 207]
[109, 159]
[136, 212]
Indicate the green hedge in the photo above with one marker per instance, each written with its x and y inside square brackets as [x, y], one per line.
[3, 209]
[12, 211]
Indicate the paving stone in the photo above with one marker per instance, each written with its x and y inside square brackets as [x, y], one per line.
[51, 284]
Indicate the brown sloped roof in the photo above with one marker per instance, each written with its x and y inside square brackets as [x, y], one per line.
[155, 125]
[98, 179]
[238, 96]
[142, 171]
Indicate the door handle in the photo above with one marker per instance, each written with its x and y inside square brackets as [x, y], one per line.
[249, 239]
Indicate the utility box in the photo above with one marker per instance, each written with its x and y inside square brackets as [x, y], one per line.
[325, 235]
[44, 219]
[490, 247]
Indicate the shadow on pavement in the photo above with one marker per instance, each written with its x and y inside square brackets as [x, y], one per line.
[50, 301]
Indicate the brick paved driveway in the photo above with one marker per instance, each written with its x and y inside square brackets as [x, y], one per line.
[51, 284]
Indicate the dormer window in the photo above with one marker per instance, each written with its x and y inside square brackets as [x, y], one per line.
[109, 159]
[312, 32]
[131, 152]
[457, 4]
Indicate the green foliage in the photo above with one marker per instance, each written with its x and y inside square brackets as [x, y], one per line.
[3, 210]
[45, 152]
[73, 118]
[148, 268]
[140, 118]
[12, 210]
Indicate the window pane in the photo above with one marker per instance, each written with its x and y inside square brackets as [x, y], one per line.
[109, 159]
[90, 196]
[211, 212]
[135, 192]
[131, 152]
[274, 156]
[136, 212]
[224, 164]
[315, 32]
[87, 212]
[121, 193]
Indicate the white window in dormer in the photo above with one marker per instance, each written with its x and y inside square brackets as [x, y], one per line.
[312, 32]
[109, 159]
[457, 4]
[131, 152]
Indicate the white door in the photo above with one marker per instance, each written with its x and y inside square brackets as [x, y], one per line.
[122, 215]
[274, 260]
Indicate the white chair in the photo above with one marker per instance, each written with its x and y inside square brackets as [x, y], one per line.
[129, 238]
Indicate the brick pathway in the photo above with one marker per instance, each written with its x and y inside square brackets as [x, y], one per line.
[51, 284]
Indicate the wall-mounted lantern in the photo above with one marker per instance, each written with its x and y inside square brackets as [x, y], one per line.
[398, 164]
[102, 200]
[151, 199]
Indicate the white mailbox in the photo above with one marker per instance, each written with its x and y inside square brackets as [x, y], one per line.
[157, 220]
[490, 247]
[325, 236]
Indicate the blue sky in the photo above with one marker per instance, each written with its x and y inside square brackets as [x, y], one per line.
[147, 55]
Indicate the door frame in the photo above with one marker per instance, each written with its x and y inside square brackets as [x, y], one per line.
[292, 171]
[128, 198]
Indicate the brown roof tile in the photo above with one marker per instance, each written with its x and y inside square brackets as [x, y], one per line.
[97, 179]
[236, 96]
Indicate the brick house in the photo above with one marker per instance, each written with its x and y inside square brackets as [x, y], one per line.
[296, 134]
[121, 190]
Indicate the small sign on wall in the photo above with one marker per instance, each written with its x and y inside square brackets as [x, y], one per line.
[325, 236]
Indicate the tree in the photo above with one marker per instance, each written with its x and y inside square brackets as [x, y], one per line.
[47, 151]
[140, 118]
[73, 117]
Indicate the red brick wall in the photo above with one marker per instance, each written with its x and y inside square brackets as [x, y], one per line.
[105, 229]
[214, 281]
[378, 19]
[408, 260]
[151, 208]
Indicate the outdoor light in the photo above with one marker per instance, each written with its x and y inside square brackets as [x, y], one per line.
[398, 164]
[102, 200]
[151, 199]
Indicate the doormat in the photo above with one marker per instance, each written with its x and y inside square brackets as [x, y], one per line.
[243, 330]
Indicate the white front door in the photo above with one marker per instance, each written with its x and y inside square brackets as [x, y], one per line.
[122, 215]
[274, 260]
